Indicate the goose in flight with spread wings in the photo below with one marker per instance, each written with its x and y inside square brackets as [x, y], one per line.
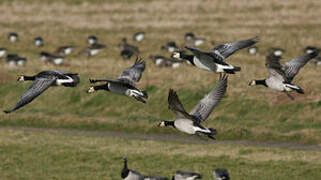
[214, 60]
[125, 84]
[281, 77]
[43, 81]
[191, 123]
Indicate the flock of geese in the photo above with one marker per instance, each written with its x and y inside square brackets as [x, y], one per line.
[215, 61]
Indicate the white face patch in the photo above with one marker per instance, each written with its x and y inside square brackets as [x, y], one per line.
[91, 41]
[68, 51]
[278, 53]
[38, 43]
[13, 38]
[177, 55]
[139, 37]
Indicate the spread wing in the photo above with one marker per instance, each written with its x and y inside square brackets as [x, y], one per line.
[223, 51]
[275, 68]
[292, 67]
[176, 106]
[134, 73]
[36, 88]
[205, 107]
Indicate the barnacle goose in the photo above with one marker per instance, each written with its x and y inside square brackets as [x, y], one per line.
[191, 123]
[65, 50]
[281, 77]
[125, 84]
[3, 52]
[139, 36]
[38, 41]
[43, 81]
[170, 47]
[128, 174]
[186, 175]
[13, 37]
[221, 174]
[214, 60]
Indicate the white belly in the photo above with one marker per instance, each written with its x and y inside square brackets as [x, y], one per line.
[185, 126]
[275, 84]
[2, 53]
[58, 61]
[199, 64]
[94, 52]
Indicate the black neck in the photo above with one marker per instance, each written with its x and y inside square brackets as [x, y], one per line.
[190, 58]
[261, 82]
[125, 171]
[29, 78]
[101, 87]
[169, 123]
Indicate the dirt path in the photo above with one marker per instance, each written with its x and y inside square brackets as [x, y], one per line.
[191, 139]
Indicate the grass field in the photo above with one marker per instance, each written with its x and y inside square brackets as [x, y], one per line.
[43, 155]
[245, 113]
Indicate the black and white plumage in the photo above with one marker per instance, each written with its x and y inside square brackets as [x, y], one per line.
[221, 174]
[186, 175]
[13, 37]
[192, 40]
[310, 49]
[128, 174]
[125, 84]
[93, 49]
[51, 58]
[3, 52]
[253, 50]
[92, 39]
[162, 61]
[155, 178]
[170, 47]
[276, 51]
[15, 60]
[127, 50]
[65, 50]
[214, 60]
[191, 123]
[281, 77]
[43, 81]
[139, 36]
[38, 41]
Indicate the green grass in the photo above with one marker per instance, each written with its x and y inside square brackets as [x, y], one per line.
[245, 113]
[42, 155]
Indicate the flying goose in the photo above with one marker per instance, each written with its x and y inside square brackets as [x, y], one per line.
[92, 39]
[186, 175]
[13, 37]
[191, 123]
[125, 84]
[38, 41]
[3, 52]
[65, 50]
[214, 60]
[43, 81]
[128, 174]
[139, 36]
[155, 178]
[221, 174]
[280, 77]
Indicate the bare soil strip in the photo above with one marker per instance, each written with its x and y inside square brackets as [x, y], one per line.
[191, 139]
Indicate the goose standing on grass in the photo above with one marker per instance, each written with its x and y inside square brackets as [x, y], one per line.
[38, 41]
[155, 178]
[170, 47]
[214, 60]
[125, 84]
[128, 174]
[3, 52]
[186, 175]
[65, 50]
[13, 37]
[221, 174]
[43, 81]
[51, 58]
[125, 46]
[276, 51]
[191, 123]
[280, 77]
[93, 49]
[192, 40]
[92, 40]
[139, 36]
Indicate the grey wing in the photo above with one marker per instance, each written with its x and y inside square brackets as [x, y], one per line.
[36, 88]
[275, 68]
[223, 51]
[134, 73]
[175, 105]
[205, 107]
[292, 67]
